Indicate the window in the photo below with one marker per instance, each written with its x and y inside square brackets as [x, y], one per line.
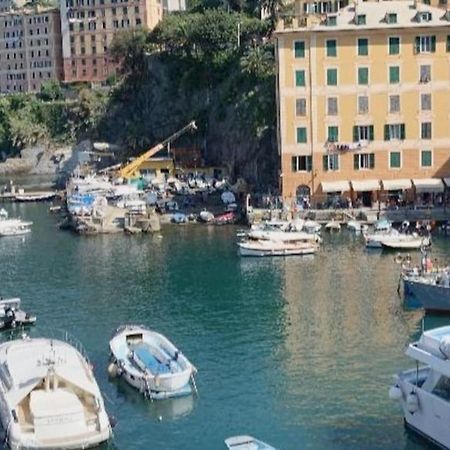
[332, 106]
[363, 47]
[331, 21]
[300, 78]
[302, 163]
[363, 75]
[425, 73]
[395, 160]
[363, 133]
[333, 134]
[363, 104]
[425, 130]
[331, 47]
[394, 103]
[364, 161]
[301, 135]
[331, 77]
[391, 18]
[299, 49]
[425, 44]
[394, 74]
[360, 19]
[300, 107]
[394, 45]
[394, 131]
[331, 162]
[425, 102]
[426, 158]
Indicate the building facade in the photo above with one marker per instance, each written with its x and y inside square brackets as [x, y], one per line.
[30, 49]
[88, 28]
[364, 101]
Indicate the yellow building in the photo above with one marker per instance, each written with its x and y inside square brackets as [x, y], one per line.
[364, 100]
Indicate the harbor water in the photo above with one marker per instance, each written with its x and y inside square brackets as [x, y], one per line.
[298, 352]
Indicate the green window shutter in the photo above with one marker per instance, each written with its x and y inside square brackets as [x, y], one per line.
[331, 77]
[355, 134]
[333, 134]
[426, 159]
[402, 131]
[394, 74]
[331, 48]
[417, 46]
[363, 75]
[363, 47]
[371, 133]
[386, 133]
[309, 163]
[394, 46]
[371, 160]
[395, 160]
[300, 78]
[356, 162]
[448, 43]
[325, 162]
[294, 164]
[433, 44]
[299, 49]
[301, 135]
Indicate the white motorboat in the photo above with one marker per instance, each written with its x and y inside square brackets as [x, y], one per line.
[149, 362]
[13, 227]
[34, 196]
[275, 248]
[49, 398]
[333, 225]
[246, 443]
[357, 226]
[406, 242]
[424, 391]
[11, 316]
[283, 236]
[311, 226]
[206, 216]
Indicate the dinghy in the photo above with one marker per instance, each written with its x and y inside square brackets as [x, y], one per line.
[246, 443]
[11, 316]
[149, 362]
[275, 248]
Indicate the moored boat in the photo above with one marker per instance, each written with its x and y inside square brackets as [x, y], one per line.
[49, 398]
[283, 236]
[11, 316]
[275, 248]
[424, 391]
[149, 362]
[333, 225]
[246, 443]
[13, 227]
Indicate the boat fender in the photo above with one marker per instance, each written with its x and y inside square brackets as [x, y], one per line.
[412, 402]
[113, 370]
[395, 393]
[398, 258]
[157, 380]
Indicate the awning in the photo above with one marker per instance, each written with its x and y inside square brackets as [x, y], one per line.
[335, 186]
[396, 185]
[428, 184]
[366, 185]
[447, 182]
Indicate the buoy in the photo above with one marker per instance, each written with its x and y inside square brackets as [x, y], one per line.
[160, 418]
[398, 258]
[412, 402]
[113, 370]
[395, 393]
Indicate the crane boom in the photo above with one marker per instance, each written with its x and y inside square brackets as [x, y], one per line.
[128, 170]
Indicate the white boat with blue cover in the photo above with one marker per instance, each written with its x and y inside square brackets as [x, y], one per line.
[246, 443]
[424, 391]
[149, 362]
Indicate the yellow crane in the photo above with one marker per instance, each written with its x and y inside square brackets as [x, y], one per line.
[129, 170]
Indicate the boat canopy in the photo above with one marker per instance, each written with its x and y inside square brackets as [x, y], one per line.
[396, 185]
[365, 185]
[335, 186]
[428, 184]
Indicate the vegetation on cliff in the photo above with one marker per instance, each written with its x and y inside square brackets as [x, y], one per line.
[209, 65]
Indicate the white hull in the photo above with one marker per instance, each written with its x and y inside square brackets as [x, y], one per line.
[14, 232]
[267, 248]
[149, 362]
[413, 244]
[282, 236]
[49, 398]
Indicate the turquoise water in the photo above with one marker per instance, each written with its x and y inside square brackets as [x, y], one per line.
[298, 352]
